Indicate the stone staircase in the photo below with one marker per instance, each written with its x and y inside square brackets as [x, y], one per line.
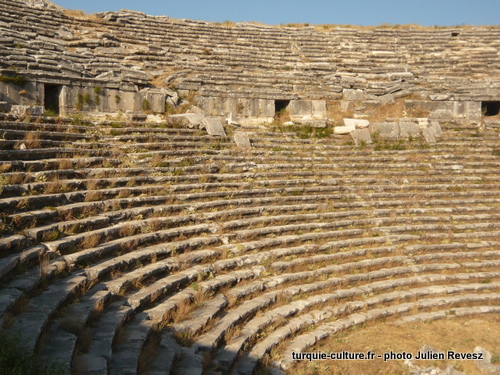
[128, 248]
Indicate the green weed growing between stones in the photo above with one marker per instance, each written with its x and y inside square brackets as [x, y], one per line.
[16, 360]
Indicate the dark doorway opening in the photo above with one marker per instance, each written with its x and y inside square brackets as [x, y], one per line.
[51, 102]
[280, 113]
[280, 106]
[490, 108]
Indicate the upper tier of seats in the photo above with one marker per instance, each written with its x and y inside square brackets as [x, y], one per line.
[246, 58]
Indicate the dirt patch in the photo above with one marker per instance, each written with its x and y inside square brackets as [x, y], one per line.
[457, 334]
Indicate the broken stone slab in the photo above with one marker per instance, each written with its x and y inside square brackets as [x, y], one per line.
[191, 120]
[342, 130]
[356, 123]
[437, 128]
[361, 136]
[214, 127]
[242, 140]
[429, 135]
[27, 110]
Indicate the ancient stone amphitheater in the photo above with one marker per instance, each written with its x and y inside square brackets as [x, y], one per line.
[156, 247]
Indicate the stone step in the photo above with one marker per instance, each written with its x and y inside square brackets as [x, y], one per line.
[32, 321]
[122, 244]
[28, 255]
[167, 353]
[252, 328]
[96, 298]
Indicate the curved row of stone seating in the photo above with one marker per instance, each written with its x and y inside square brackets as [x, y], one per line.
[214, 242]
[212, 340]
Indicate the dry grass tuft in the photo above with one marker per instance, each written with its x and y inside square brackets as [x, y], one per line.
[31, 140]
[182, 312]
[93, 195]
[66, 164]
[336, 114]
[5, 168]
[90, 241]
[76, 13]
[394, 109]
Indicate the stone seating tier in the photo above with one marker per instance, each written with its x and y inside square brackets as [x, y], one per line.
[180, 238]
[109, 45]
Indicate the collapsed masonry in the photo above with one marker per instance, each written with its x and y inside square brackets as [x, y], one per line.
[128, 61]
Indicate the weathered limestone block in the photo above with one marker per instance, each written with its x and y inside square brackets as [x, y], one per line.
[361, 136]
[440, 97]
[27, 110]
[135, 75]
[242, 140]
[213, 125]
[307, 109]
[319, 109]
[429, 135]
[356, 123]
[343, 130]
[386, 130]
[402, 76]
[155, 99]
[437, 128]
[354, 95]
[349, 126]
[409, 129]
[191, 120]
[299, 109]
